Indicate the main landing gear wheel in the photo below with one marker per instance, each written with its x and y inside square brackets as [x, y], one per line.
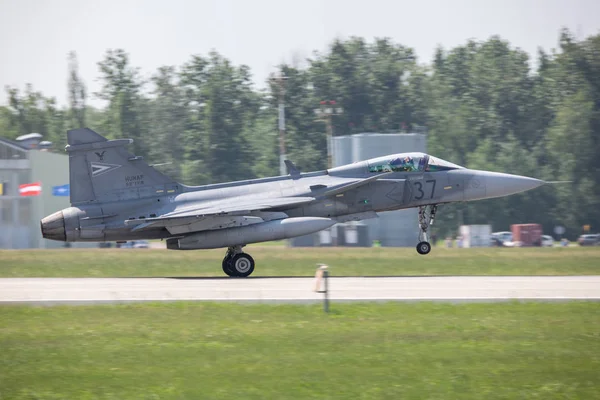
[237, 264]
[426, 217]
[242, 265]
[227, 267]
[423, 248]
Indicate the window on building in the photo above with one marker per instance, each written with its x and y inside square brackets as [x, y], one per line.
[11, 153]
[18, 154]
[24, 211]
[24, 176]
[5, 214]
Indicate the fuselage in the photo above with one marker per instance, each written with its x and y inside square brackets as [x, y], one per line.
[402, 187]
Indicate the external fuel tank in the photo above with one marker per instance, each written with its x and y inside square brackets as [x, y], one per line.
[263, 232]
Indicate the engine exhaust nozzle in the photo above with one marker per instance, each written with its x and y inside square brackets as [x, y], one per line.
[53, 227]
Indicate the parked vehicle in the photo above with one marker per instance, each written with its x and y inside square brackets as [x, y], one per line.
[496, 242]
[504, 236]
[527, 234]
[547, 241]
[141, 244]
[589, 240]
[135, 244]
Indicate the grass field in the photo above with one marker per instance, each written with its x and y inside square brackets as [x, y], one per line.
[360, 351]
[283, 261]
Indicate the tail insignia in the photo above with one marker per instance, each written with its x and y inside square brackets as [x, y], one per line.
[99, 169]
[100, 155]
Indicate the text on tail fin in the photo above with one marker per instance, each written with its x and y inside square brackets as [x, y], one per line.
[102, 170]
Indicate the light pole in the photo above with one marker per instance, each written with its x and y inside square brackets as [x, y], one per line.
[279, 80]
[324, 113]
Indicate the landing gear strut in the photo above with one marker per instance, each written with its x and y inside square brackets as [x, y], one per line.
[426, 217]
[236, 263]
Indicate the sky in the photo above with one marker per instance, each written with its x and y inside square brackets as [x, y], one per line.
[37, 35]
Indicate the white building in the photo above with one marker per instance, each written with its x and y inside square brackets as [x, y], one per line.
[29, 161]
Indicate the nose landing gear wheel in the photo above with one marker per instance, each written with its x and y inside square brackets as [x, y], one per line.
[423, 248]
[426, 218]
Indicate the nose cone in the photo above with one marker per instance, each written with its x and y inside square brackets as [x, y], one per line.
[498, 185]
[495, 184]
[53, 227]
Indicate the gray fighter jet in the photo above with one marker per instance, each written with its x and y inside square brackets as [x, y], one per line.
[116, 196]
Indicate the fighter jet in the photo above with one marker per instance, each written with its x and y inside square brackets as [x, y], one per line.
[116, 196]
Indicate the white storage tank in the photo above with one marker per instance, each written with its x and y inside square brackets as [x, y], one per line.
[475, 235]
[394, 228]
[342, 150]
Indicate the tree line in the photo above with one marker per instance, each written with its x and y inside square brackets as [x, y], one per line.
[481, 104]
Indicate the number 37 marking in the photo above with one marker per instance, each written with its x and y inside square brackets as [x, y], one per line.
[421, 193]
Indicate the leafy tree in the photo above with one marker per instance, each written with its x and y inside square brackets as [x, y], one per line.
[8, 127]
[225, 107]
[121, 88]
[167, 122]
[305, 136]
[31, 112]
[77, 94]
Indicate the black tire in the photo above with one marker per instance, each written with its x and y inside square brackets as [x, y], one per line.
[423, 248]
[227, 266]
[242, 265]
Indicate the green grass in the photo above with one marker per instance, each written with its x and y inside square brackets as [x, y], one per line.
[283, 261]
[360, 351]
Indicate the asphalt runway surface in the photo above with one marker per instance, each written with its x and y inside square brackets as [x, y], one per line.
[50, 291]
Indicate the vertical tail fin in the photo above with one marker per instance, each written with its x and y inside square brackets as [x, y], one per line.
[102, 170]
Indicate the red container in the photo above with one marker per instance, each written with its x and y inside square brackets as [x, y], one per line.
[527, 234]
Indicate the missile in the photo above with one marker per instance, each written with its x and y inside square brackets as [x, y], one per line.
[262, 232]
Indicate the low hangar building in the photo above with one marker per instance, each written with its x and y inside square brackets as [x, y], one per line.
[33, 183]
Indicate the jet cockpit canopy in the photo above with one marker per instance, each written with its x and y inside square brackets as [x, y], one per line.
[437, 164]
[410, 162]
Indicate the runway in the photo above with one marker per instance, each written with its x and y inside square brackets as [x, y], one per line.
[49, 291]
